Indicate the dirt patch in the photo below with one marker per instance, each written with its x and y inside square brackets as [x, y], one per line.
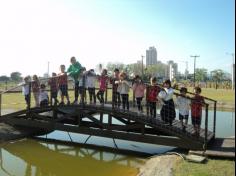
[160, 165]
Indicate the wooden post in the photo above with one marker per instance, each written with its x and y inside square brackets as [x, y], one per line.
[206, 127]
[214, 120]
[109, 120]
[29, 103]
[113, 97]
[133, 99]
[0, 104]
[106, 93]
[54, 110]
[83, 91]
[101, 117]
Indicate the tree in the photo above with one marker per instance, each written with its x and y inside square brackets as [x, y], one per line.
[111, 66]
[16, 76]
[201, 74]
[158, 70]
[217, 76]
[4, 78]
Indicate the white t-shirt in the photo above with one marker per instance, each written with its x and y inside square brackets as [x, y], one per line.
[25, 89]
[91, 80]
[169, 94]
[184, 105]
[43, 95]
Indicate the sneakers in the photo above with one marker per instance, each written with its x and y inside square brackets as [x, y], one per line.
[61, 104]
[75, 102]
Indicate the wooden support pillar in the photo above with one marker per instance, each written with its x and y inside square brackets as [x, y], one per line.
[109, 120]
[101, 117]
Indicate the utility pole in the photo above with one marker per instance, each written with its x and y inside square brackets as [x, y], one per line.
[48, 69]
[194, 74]
[232, 70]
[142, 65]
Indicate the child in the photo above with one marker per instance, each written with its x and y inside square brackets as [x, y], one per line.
[43, 96]
[196, 110]
[63, 85]
[183, 103]
[139, 88]
[102, 86]
[168, 108]
[25, 90]
[152, 92]
[124, 90]
[52, 82]
[91, 80]
[82, 84]
[74, 71]
[35, 89]
[115, 92]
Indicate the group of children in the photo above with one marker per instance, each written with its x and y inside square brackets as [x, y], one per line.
[86, 80]
[39, 92]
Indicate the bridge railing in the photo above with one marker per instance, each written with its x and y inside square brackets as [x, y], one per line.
[210, 107]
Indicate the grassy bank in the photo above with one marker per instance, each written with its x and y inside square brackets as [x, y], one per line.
[225, 98]
[213, 167]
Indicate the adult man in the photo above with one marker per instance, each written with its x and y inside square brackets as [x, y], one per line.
[74, 72]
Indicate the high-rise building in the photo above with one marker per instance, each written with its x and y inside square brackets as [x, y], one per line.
[151, 56]
[172, 69]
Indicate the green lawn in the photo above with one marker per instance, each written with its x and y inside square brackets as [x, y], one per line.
[213, 167]
[16, 100]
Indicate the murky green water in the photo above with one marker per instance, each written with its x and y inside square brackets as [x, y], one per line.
[34, 158]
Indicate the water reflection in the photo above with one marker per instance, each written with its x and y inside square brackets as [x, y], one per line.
[32, 158]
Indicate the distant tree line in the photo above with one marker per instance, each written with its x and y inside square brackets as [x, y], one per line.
[14, 76]
[215, 79]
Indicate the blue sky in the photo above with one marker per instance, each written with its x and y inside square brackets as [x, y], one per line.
[35, 32]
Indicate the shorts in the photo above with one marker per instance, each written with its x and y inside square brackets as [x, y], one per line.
[44, 103]
[54, 94]
[82, 89]
[182, 117]
[196, 121]
[64, 90]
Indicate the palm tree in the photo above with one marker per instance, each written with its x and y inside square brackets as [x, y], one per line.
[217, 76]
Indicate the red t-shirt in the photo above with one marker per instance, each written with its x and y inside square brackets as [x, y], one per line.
[196, 106]
[62, 79]
[152, 93]
[53, 84]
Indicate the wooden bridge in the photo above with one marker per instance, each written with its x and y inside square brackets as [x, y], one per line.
[110, 122]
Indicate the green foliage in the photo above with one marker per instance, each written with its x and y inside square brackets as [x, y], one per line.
[111, 66]
[16, 76]
[201, 74]
[4, 78]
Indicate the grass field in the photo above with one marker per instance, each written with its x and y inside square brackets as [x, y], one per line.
[16, 100]
[213, 167]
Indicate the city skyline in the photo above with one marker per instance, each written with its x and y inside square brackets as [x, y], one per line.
[35, 33]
